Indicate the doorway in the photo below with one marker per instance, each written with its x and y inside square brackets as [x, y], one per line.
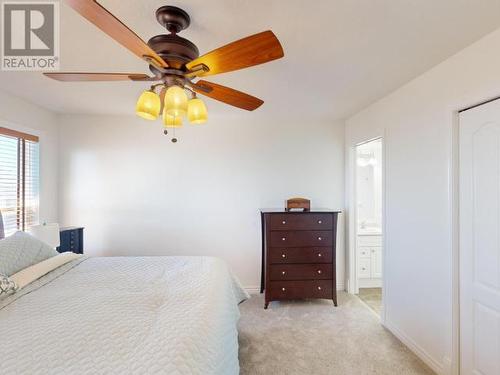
[479, 241]
[368, 223]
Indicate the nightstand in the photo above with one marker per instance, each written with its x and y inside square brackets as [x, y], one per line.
[71, 240]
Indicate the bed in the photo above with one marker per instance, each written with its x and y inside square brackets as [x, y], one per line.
[124, 315]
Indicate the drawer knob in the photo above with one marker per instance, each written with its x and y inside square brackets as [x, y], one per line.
[319, 238]
[320, 222]
[319, 254]
[319, 272]
[283, 222]
[363, 268]
[319, 288]
[283, 255]
[283, 272]
[283, 238]
[283, 289]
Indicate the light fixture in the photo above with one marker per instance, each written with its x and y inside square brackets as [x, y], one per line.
[170, 121]
[197, 111]
[175, 106]
[148, 106]
[176, 101]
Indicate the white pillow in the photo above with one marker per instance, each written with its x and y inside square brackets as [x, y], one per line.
[34, 272]
[22, 250]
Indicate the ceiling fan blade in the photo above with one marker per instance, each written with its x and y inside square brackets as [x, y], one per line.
[253, 50]
[107, 22]
[227, 95]
[78, 77]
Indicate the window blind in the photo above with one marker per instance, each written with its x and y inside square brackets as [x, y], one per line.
[19, 180]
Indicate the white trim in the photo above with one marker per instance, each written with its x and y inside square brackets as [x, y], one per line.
[252, 289]
[453, 364]
[351, 221]
[448, 366]
[352, 279]
[418, 350]
[370, 283]
[383, 309]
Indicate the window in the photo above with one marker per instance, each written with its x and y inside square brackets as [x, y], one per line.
[19, 180]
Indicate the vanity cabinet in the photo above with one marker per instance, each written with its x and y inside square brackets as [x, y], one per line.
[369, 256]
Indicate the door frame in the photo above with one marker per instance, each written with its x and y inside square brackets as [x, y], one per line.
[352, 280]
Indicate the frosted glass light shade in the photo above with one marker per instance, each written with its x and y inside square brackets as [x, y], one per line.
[197, 111]
[176, 101]
[48, 233]
[171, 121]
[148, 106]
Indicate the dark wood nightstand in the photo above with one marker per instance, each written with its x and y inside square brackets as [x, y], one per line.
[71, 240]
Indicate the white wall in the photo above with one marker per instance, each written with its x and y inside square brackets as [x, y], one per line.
[418, 121]
[137, 193]
[18, 114]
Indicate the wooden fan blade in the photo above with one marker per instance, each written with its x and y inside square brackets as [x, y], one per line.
[78, 77]
[253, 50]
[107, 22]
[227, 95]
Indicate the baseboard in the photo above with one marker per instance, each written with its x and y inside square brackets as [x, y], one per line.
[447, 366]
[252, 289]
[369, 283]
[418, 350]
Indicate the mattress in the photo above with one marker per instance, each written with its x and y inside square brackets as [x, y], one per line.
[124, 315]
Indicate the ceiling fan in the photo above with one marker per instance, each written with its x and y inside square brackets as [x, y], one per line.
[175, 62]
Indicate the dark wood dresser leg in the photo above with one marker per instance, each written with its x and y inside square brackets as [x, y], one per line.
[262, 270]
[265, 305]
[334, 298]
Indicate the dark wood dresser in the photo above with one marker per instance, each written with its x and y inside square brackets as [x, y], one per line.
[71, 240]
[298, 254]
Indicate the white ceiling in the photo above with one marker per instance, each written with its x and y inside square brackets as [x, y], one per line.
[340, 55]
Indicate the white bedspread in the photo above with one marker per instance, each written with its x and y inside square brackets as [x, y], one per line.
[124, 315]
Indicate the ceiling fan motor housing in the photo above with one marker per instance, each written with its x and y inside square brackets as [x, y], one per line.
[175, 50]
[172, 18]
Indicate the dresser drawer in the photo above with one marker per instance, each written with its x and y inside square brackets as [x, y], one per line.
[301, 238]
[301, 221]
[300, 272]
[300, 289]
[279, 255]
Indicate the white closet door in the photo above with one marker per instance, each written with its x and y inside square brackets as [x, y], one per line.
[480, 240]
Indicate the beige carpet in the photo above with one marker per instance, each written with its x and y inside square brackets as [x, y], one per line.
[314, 337]
[372, 297]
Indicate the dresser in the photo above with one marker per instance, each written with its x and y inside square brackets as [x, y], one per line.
[71, 240]
[298, 254]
